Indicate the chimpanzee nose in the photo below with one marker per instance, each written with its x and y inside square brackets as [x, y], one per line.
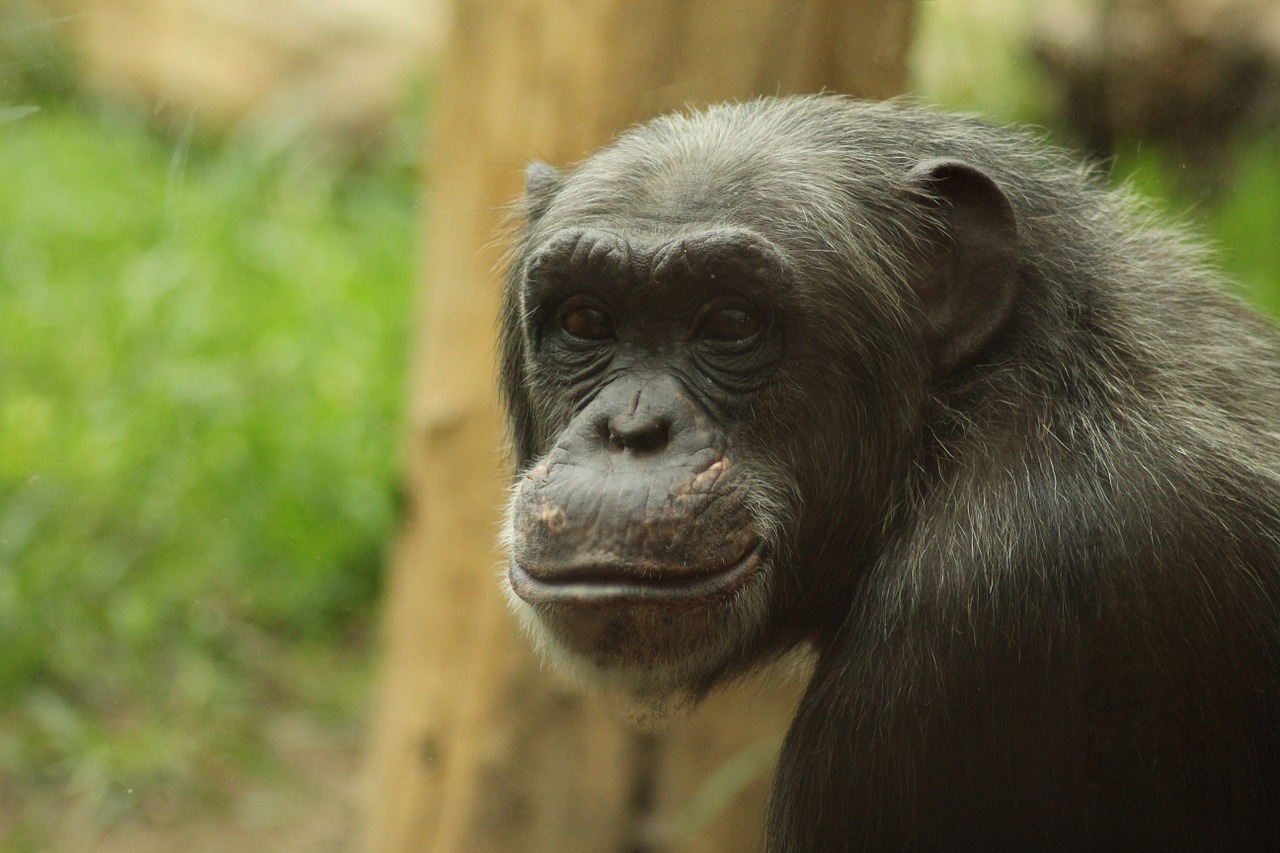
[640, 415]
[638, 432]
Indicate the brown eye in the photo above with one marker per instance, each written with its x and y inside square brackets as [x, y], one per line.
[729, 323]
[588, 323]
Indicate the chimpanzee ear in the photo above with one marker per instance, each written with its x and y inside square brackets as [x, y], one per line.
[541, 183]
[968, 286]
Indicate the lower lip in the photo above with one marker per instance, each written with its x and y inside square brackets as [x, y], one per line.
[612, 590]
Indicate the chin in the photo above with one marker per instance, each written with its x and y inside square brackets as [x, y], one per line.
[659, 646]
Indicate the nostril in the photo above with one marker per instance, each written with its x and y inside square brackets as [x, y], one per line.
[637, 433]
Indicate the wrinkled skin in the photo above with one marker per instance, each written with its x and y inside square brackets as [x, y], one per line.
[914, 393]
[637, 536]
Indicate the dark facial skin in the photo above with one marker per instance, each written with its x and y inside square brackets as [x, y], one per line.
[914, 393]
[637, 536]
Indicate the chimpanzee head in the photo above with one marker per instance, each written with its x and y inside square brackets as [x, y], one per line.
[718, 335]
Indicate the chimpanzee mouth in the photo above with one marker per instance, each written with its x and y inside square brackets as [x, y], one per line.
[604, 585]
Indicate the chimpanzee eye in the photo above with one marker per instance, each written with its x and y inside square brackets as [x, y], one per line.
[588, 323]
[729, 323]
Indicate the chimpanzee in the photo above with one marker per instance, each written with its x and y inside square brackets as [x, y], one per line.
[920, 394]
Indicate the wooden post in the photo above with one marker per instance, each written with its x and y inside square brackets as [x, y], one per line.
[474, 747]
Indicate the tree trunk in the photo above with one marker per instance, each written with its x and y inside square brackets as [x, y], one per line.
[475, 748]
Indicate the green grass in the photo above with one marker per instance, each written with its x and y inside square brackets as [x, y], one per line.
[201, 379]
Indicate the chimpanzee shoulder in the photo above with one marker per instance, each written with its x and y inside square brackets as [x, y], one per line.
[927, 396]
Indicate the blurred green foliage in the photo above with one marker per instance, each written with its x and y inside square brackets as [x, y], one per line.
[1243, 224]
[202, 358]
[35, 59]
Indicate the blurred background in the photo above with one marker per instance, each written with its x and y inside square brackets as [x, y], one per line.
[209, 249]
